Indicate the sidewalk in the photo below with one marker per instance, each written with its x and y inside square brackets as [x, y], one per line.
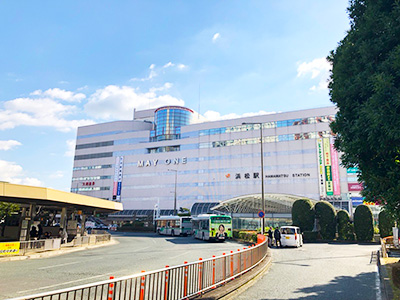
[65, 248]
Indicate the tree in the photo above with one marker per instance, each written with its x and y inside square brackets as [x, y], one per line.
[326, 215]
[343, 220]
[363, 223]
[6, 210]
[303, 214]
[386, 222]
[365, 86]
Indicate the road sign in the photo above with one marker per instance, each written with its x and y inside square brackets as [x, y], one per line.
[261, 214]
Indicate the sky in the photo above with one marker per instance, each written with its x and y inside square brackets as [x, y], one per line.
[65, 64]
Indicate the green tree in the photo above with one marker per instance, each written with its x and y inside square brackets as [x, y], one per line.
[363, 223]
[343, 220]
[6, 210]
[365, 86]
[386, 222]
[303, 214]
[326, 215]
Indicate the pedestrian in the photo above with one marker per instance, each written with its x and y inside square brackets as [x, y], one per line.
[277, 236]
[63, 235]
[270, 235]
[33, 233]
[40, 231]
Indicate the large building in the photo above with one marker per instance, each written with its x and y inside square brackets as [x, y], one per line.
[168, 152]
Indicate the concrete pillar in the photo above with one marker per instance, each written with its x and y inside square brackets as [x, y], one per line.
[63, 221]
[83, 221]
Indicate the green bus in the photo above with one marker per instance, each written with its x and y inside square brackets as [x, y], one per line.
[212, 227]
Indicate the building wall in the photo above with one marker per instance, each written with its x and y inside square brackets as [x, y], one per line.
[209, 163]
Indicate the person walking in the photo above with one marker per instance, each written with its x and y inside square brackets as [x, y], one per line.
[277, 236]
[270, 236]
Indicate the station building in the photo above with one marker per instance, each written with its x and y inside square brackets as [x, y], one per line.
[172, 152]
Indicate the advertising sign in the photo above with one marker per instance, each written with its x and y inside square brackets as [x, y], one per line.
[118, 171]
[355, 187]
[9, 248]
[321, 171]
[328, 167]
[335, 169]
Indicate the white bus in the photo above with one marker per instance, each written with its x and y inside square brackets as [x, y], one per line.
[212, 227]
[174, 225]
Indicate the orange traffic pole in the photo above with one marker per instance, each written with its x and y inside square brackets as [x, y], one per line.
[213, 271]
[231, 263]
[142, 287]
[185, 280]
[111, 289]
[166, 284]
[200, 274]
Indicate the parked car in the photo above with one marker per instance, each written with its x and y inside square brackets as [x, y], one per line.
[291, 236]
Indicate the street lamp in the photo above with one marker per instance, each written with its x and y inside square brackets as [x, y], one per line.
[262, 173]
[176, 175]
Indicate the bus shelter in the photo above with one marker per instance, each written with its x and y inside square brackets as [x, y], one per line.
[34, 199]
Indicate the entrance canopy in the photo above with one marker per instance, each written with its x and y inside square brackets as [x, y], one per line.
[31, 195]
[252, 204]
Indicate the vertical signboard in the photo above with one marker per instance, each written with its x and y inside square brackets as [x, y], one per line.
[335, 169]
[328, 167]
[321, 173]
[118, 171]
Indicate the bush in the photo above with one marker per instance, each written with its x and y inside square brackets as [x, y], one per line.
[386, 222]
[343, 219]
[326, 215]
[363, 223]
[310, 236]
[396, 274]
[246, 236]
[303, 214]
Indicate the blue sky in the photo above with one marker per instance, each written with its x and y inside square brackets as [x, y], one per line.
[65, 64]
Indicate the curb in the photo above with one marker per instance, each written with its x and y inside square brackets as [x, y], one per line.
[385, 287]
[61, 251]
[240, 284]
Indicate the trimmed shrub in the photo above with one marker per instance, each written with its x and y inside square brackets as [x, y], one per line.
[310, 236]
[303, 214]
[396, 274]
[326, 215]
[342, 219]
[246, 236]
[363, 223]
[386, 222]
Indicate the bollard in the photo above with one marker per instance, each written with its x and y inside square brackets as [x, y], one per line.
[185, 280]
[245, 259]
[111, 289]
[213, 272]
[231, 263]
[224, 266]
[239, 261]
[200, 274]
[166, 284]
[142, 287]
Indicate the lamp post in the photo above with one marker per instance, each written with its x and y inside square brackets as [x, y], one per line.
[262, 174]
[176, 175]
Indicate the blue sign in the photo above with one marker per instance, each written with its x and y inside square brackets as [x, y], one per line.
[261, 214]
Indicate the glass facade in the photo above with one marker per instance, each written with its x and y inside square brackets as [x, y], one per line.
[168, 122]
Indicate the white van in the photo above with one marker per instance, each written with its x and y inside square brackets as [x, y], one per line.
[291, 236]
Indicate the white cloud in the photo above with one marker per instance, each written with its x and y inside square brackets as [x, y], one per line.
[39, 112]
[7, 145]
[216, 37]
[181, 66]
[318, 69]
[215, 116]
[170, 64]
[13, 173]
[70, 148]
[151, 75]
[166, 86]
[57, 93]
[57, 174]
[118, 102]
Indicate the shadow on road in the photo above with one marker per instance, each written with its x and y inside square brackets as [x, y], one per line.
[361, 286]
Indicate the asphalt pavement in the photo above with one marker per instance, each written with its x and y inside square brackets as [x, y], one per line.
[134, 252]
[318, 271]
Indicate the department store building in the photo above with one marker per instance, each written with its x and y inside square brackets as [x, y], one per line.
[168, 152]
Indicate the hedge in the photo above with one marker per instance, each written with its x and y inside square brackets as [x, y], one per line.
[303, 214]
[343, 222]
[386, 222]
[326, 215]
[245, 235]
[363, 223]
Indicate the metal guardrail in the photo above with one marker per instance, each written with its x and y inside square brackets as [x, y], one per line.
[178, 282]
[39, 245]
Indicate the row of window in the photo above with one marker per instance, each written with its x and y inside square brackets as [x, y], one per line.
[94, 145]
[93, 155]
[89, 189]
[266, 139]
[92, 167]
[164, 149]
[90, 178]
[267, 125]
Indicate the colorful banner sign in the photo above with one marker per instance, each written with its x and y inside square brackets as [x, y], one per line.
[335, 169]
[328, 167]
[352, 170]
[9, 248]
[355, 187]
[321, 171]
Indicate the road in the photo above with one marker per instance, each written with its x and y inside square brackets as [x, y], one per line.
[318, 271]
[134, 253]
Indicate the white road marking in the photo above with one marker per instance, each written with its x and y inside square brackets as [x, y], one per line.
[60, 265]
[72, 281]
